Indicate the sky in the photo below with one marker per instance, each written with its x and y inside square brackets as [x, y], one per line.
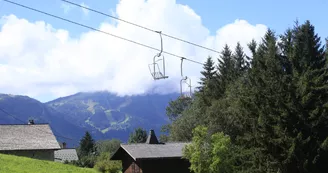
[46, 58]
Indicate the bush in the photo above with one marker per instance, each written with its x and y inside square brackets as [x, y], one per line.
[105, 165]
[88, 161]
[108, 166]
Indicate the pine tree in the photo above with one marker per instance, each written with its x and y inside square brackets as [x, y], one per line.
[87, 145]
[208, 73]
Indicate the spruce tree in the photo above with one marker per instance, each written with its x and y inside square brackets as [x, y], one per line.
[225, 72]
[266, 104]
[207, 82]
[310, 75]
[207, 74]
[241, 65]
[87, 145]
[252, 46]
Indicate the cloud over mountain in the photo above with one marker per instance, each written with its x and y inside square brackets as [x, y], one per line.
[37, 59]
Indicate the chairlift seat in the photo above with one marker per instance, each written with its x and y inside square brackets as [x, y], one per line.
[159, 75]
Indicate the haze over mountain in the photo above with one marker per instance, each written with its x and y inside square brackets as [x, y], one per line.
[103, 114]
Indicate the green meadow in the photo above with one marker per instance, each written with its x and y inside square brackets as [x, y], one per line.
[14, 164]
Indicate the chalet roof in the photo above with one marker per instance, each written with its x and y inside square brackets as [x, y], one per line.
[27, 137]
[68, 154]
[151, 151]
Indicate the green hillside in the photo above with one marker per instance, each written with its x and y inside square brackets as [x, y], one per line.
[14, 164]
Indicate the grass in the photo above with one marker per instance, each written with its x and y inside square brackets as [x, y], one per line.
[14, 164]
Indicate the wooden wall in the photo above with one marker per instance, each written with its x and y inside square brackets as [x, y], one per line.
[156, 166]
[164, 166]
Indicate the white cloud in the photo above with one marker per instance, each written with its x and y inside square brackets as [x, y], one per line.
[85, 11]
[66, 7]
[36, 59]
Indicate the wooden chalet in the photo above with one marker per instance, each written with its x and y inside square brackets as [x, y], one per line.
[152, 157]
[29, 140]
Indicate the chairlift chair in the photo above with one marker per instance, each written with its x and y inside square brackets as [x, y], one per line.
[154, 69]
[186, 81]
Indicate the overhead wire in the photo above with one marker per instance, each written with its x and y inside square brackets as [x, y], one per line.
[98, 30]
[11, 115]
[143, 27]
[107, 33]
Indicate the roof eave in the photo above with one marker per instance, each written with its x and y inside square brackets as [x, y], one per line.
[156, 158]
[114, 156]
[27, 149]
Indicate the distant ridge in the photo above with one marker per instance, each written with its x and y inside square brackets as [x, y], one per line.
[105, 115]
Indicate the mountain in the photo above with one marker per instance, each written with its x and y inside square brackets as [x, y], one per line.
[103, 114]
[23, 108]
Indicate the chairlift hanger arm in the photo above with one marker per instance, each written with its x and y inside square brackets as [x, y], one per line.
[182, 58]
[160, 34]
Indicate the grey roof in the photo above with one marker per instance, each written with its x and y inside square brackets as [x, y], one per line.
[27, 137]
[146, 151]
[66, 154]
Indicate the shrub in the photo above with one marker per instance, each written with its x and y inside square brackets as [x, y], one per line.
[105, 165]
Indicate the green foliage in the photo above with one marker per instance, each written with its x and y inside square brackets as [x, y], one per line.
[87, 145]
[225, 72]
[174, 111]
[208, 74]
[87, 151]
[86, 161]
[105, 165]
[192, 117]
[166, 130]
[14, 164]
[272, 105]
[138, 136]
[66, 162]
[107, 146]
[209, 153]
[176, 107]
[241, 63]
[309, 71]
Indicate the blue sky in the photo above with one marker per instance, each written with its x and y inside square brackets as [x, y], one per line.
[83, 62]
[277, 14]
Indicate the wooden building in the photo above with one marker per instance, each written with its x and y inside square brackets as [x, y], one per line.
[28, 140]
[152, 157]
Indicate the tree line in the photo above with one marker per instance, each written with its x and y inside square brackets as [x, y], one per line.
[266, 112]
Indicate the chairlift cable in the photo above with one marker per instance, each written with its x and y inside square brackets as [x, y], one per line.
[98, 30]
[143, 27]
